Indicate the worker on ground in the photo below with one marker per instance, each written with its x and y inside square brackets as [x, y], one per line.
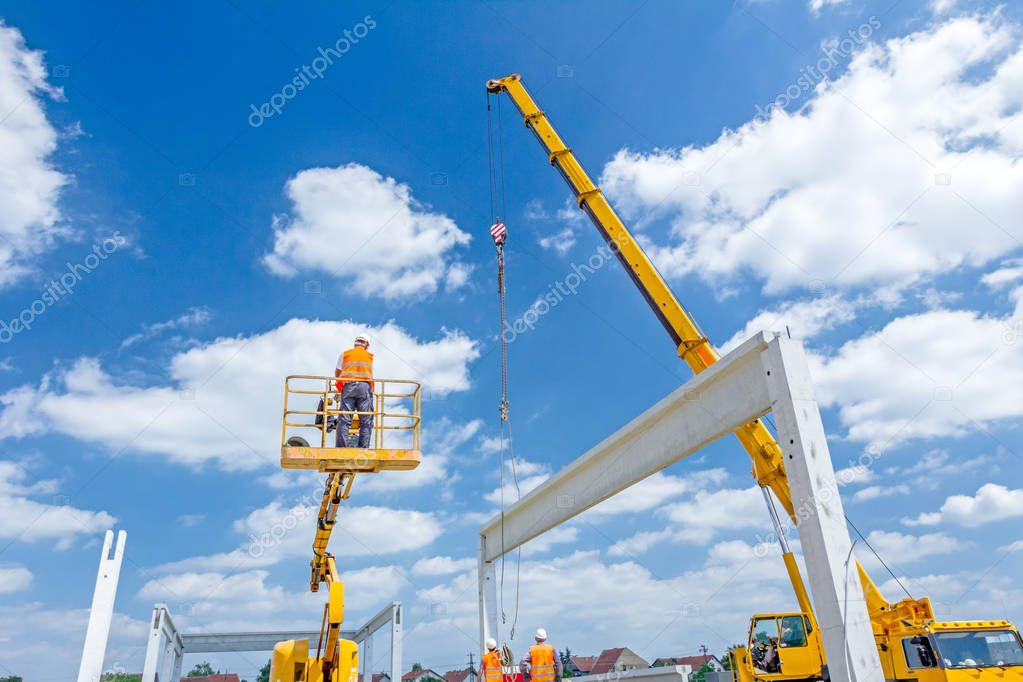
[541, 660]
[491, 670]
[355, 382]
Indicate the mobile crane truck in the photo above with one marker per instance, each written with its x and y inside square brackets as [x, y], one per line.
[912, 644]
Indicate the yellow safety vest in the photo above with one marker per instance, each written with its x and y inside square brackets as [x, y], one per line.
[541, 663]
[492, 671]
[356, 365]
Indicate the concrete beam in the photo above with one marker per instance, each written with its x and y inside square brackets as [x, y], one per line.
[714, 403]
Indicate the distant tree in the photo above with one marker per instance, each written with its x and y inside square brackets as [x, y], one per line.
[566, 661]
[121, 677]
[264, 673]
[417, 666]
[700, 674]
[11, 678]
[726, 660]
[203, 669]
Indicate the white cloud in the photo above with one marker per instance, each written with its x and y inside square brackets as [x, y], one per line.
[442, 565]
[898, 383]
[805, 319]
[874, 492]
[855, 474]
[43, 643]
[639, 543]
[439, 440]
[700, 519]
[993, 502]
[351, 222]
[511, 492]
[246, 601]
[672, 612]
[29, 520]
[193, 317]
[869, 206]
[653, 491]
[1014, 547]
[560, 242]
[1009, 273]
[817, 5]
[556, 536]
[14, 579]
[899, 549]
[277, 532]
[223, 401]
[30, 186]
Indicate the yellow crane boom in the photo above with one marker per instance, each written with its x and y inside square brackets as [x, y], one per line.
[690, 342]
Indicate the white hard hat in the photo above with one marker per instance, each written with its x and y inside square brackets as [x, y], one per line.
[541, 634]
[491, 643]
[363, 338]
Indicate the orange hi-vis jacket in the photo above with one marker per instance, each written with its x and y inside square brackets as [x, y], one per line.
[356, 365]
[541, 663]
[492, 670]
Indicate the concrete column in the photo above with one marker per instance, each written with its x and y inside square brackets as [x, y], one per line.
[397, 638]
[487, 578]
[834, 583]
[102, 611]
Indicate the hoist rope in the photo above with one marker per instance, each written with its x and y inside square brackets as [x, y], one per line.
[499, 233]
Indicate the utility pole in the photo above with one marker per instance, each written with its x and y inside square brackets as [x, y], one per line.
[704, 649]
[472, 668]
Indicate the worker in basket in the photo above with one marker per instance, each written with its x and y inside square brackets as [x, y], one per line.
[541, 660]
[355, 384]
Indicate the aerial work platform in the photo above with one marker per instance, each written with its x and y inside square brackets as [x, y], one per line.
[312, 404]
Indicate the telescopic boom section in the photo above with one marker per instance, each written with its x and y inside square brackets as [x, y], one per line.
[690, 343]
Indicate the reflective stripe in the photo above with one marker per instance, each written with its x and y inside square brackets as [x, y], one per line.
[492, 666]
[356, 365]
[541, 663]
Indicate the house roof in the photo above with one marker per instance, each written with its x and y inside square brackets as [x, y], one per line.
[696, 662]
[456, 675]
[584, 663]
[416, 674]
[606, 661]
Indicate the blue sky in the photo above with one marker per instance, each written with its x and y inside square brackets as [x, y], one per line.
[875, 213]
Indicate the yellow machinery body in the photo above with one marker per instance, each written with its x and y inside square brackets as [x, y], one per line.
[893, 623]
[310, 405]
[290, 662]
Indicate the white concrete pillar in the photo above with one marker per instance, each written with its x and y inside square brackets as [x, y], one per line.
[487, 578]
[102, 611]
[820, 518]
[397, 637]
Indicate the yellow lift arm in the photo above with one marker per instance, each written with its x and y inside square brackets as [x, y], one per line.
[690, 342]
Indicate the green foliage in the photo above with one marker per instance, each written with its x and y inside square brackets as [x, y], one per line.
[202, 670]
[11, 678]
[264, 673]
[700, 674]
[417, 666]
[566, 661]
[121, 677]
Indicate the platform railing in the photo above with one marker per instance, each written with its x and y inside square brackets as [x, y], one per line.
[390, 423]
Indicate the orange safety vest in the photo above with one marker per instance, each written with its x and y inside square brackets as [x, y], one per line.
[356, 365]
[541, 663]
[492, 670]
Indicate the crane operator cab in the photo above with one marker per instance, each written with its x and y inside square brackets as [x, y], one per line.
[313, 413]
[784, 646]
